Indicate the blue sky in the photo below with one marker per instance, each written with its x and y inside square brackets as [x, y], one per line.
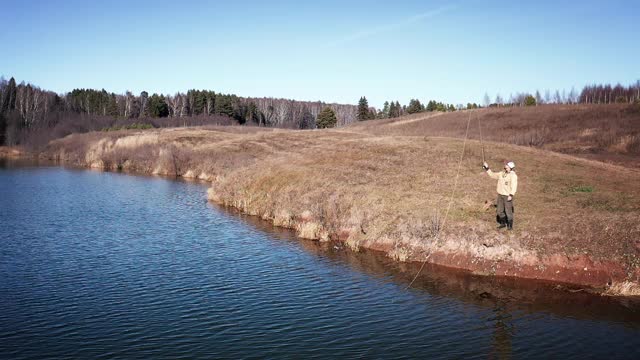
[334, 51]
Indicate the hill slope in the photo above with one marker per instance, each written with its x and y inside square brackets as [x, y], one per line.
[609, 133]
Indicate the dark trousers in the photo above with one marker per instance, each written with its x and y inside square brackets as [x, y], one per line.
[505, 208]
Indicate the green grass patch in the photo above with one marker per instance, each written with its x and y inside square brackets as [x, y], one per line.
[581, 189]
[134, 126]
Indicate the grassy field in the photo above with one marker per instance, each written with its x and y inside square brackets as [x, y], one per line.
[608, 133]
[387, 185]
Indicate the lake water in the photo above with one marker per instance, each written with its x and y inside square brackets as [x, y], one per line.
[111, 266]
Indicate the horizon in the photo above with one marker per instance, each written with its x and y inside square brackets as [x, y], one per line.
[334, 52]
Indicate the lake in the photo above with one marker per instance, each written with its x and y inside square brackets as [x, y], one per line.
[111, 266]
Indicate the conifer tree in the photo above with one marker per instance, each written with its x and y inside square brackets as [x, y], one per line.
[363, 109]
[9, 98]
[224, 105]
[112, 109]
[326, 118]
[158, 106]
[392, 110]
[385, 110]
[415, 106]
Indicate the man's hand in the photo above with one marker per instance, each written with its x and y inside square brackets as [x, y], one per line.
[485, 166]
[509, 198]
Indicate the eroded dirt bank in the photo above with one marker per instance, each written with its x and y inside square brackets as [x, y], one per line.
[577, 221]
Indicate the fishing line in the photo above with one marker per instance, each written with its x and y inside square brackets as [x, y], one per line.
[446, 214]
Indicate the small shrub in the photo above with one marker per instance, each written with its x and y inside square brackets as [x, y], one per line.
[633, 108]
[604, 139]
[534, 137]
[634, 144]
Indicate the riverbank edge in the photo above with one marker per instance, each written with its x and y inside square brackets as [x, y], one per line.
[603, 277]
[15, 153]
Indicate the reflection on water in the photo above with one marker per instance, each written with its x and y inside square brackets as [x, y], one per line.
[104, 265]
[503, 332]
[502, 294]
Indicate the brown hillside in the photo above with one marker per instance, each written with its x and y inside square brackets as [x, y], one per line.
[609, 133]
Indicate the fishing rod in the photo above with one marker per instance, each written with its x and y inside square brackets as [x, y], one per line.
[481, 142]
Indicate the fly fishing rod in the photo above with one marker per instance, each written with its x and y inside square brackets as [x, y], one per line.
[481, 142]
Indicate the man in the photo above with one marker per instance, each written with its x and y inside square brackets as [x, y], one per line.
[507, 186]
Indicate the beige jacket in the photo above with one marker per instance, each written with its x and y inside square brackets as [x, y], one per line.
[507, 182]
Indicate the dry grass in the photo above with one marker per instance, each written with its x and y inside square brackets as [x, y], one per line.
[626, 288]
[608, 133]
[390, 192]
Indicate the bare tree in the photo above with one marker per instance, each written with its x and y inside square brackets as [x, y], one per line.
[538, 98]
[573, 95]
[557, 98]
[486, 100]
[547, 96]
[173, 102]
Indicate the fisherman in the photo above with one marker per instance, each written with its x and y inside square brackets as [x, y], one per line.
[507, 186]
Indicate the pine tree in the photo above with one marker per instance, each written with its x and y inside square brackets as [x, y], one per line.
[326, 118]
[158, 106]
[385, 110]
[529, 101]
[9, 98]
[392, 110]
[363, 109]
[224, 105]
[415, 106]
[112, 109]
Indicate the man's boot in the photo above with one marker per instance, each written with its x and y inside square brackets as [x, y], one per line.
[503, 223]
[510, 224]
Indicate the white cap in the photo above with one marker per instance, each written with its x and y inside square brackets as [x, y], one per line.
[511, 164]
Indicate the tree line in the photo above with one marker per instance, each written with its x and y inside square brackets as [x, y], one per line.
[393, 109]
[31, 114]
[590, 94]
[259, 111]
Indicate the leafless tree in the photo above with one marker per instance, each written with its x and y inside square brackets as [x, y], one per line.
[486, 100]
[538, 97]
[547, 96]
[499, 101]
[557, 98]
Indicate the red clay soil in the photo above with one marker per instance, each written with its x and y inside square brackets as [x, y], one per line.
[578, 270]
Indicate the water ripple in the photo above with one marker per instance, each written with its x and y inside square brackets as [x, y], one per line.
[107, 266]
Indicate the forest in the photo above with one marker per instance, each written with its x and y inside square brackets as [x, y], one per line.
[31, 116]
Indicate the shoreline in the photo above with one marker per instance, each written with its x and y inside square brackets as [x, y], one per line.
[456, 264]
[587, 275]
[254, 175]
[582, 272]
